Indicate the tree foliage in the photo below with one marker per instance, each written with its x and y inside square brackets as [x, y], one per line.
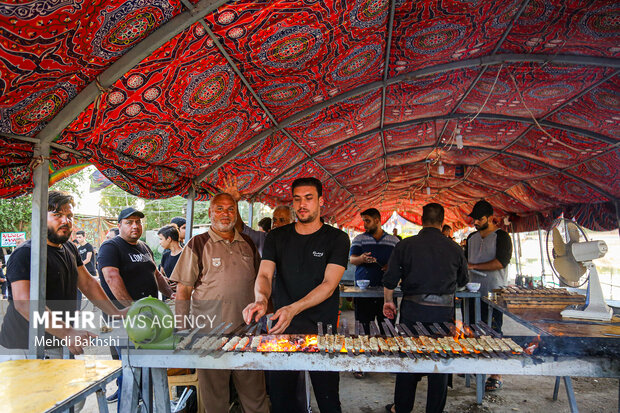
[16, 213]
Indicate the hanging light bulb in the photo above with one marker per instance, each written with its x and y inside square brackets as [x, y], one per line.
[441, 169]
[459, 141]
[428, 190]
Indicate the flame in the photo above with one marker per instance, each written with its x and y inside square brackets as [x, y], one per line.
[459, 329]
[529, 350]
[288, 344]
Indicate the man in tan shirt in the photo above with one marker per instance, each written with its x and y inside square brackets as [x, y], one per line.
[217, 271]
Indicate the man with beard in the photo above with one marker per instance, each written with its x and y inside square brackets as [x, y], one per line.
[216, 273]
[310, 259]
[65, 274]
[488, 252]
[370, 252]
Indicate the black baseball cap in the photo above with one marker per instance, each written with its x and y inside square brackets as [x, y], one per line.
[481, 209]
[127, 212]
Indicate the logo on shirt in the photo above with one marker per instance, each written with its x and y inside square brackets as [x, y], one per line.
[216, 262]
[317, 254]
[139, 258]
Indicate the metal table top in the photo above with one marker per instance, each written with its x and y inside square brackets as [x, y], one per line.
[545, 366]
[377, 292]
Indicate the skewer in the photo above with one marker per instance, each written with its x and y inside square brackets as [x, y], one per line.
[376, 335]
[216, 332]
[485, 327]
[422, 329]
[441, 330]
[392, 344]
[400, 340]
[348, 341]
[364, 340]
[427, 353]
[413, 348]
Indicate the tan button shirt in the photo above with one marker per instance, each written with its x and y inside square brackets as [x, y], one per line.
[221, 273]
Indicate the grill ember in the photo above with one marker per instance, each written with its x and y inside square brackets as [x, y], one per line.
[463, 341]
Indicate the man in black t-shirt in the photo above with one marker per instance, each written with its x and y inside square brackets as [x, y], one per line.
[65, 274]
[86, 251]
[126, 265]
[488, 252]
[310, 259]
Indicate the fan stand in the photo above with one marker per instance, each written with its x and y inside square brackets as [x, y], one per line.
[595, 307]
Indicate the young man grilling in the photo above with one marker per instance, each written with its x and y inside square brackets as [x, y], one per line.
[310, 259]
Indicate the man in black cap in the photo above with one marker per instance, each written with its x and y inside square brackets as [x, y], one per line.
[126, 266]
[127, 269]
[488, 252]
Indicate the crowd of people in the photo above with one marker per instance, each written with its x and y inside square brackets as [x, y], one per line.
[289, 271]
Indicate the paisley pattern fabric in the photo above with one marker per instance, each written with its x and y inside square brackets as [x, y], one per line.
[311, 102]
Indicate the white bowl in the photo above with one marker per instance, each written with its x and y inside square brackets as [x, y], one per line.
[362, 284]
[473, 287]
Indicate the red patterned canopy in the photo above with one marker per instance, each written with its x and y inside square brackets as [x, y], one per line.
[515, 101]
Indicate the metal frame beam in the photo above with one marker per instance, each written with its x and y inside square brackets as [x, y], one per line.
[510, 26]
[386, 74]
[128, 61]
[562, 106]
[38, 248]
[437, 69]
[563, 171]
[249, 87]
[577, 131]
[189, 214]
[35, 141]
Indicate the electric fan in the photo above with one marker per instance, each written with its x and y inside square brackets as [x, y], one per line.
[570, 255]
[150, 324]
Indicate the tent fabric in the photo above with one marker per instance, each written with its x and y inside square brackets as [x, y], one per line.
[311, 101]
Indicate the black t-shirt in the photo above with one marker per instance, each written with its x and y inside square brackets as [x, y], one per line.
[168, 262]
[300, 263]
[135, 264]
[60, 292]
[84, 250]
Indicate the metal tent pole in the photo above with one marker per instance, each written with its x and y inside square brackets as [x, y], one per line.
[515, 248]
[38, 251]
[189, 215]
[542, 253]
[251, 214]
[617, 205]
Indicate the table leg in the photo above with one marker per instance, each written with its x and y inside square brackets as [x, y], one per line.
[160, 389]
[147, 393]
[308, 396]
[556, 388]
[480, 380]
[477, 314]
[490, 316]
[101, 401]
[129, 394]
[465, 304]
[572, 402]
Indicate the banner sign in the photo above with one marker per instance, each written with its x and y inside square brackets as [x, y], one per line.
[9, 238]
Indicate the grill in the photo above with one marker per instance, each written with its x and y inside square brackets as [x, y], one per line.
[431, 341]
